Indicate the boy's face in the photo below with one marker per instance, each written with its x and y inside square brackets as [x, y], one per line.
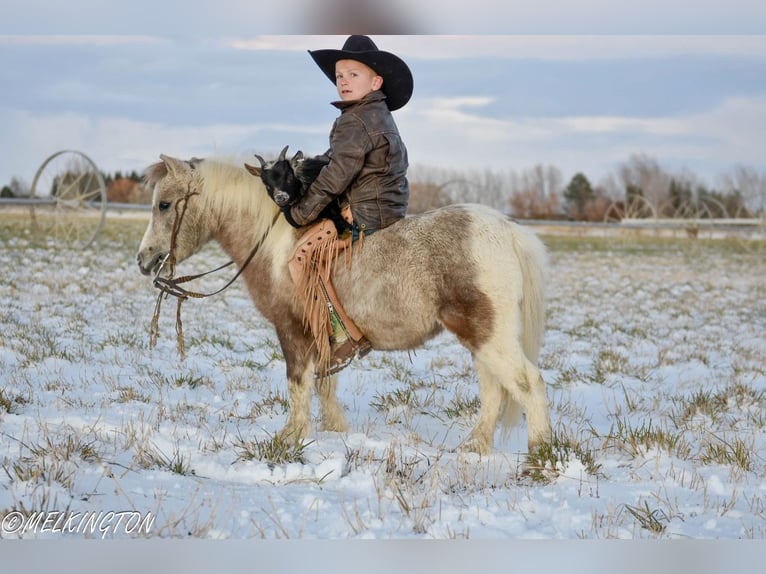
[355, 80]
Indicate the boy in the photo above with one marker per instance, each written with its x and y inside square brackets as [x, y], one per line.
[366, 174]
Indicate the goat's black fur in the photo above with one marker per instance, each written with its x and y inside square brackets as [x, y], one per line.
[287, 181]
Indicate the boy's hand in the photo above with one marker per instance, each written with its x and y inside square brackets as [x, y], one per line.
[289, 216]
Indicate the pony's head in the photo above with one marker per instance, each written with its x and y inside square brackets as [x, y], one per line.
[195, 201]
[279, 177]
[174, 183]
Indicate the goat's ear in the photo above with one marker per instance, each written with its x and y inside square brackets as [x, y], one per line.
[297, 158]
[176, 167]
[256, 171]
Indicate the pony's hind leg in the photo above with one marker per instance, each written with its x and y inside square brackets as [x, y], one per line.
[481, 439]
[333, 417]
[523, 382]
[538, 409]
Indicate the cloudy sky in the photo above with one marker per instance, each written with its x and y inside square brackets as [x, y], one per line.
[693, 96]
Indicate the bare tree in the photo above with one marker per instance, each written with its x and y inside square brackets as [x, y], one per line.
[545, 181]
[750, 184]
[463, 186]
[536, 192]
[610, 187]
[477, 186]
[426, 196]
[641, 175]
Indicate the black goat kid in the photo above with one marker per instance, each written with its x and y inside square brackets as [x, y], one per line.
[287, 181]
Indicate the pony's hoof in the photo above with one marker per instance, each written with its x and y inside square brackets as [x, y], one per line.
[335, 424]
[535, 468]
[475, 445]
[293, 434]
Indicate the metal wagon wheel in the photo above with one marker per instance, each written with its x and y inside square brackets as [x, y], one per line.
[752, 238]
[69, 199]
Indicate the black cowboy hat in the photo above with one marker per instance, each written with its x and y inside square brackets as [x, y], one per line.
[397, 78]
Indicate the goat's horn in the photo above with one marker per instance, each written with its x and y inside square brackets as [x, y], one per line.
[282, 153]
[260, 159]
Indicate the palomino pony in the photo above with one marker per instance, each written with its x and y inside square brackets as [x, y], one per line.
[466, 268]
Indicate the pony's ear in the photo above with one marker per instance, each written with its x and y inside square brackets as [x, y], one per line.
[176, 167]
[256, 171]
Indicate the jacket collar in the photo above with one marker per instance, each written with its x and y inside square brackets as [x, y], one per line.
[376, 96]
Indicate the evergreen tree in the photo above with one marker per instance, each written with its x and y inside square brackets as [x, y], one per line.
[577, 194]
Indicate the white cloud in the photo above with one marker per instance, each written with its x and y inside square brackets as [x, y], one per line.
[454, 133]
[616, 125]
[739, 124]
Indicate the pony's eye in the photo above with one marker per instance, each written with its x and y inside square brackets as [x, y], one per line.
[163, 205]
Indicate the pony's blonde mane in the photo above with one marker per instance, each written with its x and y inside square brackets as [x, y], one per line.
[229, 187]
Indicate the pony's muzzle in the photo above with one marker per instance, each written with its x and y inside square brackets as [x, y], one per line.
[153, 266]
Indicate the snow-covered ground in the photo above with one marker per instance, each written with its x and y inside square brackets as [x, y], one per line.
[654, 357]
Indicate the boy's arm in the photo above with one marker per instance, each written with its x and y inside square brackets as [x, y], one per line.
[349, 145]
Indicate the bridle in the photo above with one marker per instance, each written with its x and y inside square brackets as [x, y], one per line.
[172, 286]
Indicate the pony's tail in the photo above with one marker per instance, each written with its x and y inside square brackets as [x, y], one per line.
[533, 259]
[532, 256]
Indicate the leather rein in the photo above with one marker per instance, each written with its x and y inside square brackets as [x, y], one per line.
[172, 286]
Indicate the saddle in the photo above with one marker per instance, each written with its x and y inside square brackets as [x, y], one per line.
[337, 338]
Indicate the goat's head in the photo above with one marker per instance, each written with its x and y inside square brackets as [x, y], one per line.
[279, 177]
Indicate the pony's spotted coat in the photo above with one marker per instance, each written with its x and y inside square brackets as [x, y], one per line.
[466, 268]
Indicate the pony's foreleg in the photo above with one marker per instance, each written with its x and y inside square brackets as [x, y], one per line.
[300, 381]
[298, 425]
[333, 417]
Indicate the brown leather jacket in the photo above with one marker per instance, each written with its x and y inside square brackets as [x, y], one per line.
[368, 162]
